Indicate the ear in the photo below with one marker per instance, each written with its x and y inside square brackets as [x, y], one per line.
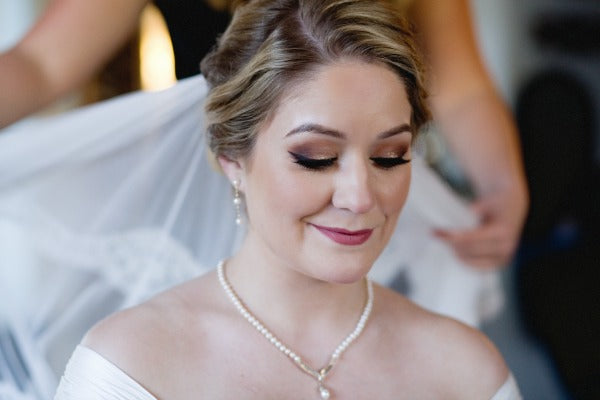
[232, 168]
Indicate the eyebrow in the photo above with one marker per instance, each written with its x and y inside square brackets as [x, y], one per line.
[322, 130]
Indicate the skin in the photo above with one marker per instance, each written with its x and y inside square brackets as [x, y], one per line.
[69, 44]
[307, 289]
[466, 105]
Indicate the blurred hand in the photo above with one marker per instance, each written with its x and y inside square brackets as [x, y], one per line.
[491, 244]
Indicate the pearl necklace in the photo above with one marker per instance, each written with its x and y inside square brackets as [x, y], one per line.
[320, 374]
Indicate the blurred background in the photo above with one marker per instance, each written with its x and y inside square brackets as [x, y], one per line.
[545, 58]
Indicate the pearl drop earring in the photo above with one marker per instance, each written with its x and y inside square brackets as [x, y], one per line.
[237, 202]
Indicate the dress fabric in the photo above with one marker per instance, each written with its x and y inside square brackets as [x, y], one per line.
[92, 377]
[104, 206]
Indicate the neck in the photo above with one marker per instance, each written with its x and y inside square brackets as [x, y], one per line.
[299, 308]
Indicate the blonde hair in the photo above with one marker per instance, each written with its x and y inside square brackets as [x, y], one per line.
[272, 45]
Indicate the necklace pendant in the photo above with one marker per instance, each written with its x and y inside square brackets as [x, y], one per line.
[324, 392]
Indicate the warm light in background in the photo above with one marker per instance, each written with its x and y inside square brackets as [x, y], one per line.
[157, 62]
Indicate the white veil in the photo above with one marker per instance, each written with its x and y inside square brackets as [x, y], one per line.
[106, 205]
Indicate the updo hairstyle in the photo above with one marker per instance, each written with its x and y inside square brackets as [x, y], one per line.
[271, 45]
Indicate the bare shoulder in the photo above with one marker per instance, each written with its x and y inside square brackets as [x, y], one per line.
[148, 339]
[474, 367]
[461, 361]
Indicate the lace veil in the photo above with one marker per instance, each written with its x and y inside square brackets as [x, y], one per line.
[106, 205]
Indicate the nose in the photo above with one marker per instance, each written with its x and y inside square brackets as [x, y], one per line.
[353, 189]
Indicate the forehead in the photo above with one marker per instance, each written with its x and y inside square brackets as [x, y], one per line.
[346, 95]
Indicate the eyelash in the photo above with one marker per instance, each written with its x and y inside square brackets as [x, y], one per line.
[313, 163]
[323, 163]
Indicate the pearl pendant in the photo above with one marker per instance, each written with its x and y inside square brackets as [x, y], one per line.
[324, 392]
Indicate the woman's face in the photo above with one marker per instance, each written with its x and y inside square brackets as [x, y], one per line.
[329, 172]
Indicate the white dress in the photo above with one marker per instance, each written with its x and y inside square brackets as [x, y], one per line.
[104, 206]
[92, 377]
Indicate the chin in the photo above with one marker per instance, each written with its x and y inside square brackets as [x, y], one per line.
[346, 270]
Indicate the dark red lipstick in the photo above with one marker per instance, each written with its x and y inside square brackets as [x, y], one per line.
[345, 237]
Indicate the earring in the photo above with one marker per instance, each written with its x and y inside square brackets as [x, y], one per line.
[237, 202]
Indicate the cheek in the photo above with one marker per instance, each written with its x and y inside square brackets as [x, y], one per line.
[395, 194]
[283, 193]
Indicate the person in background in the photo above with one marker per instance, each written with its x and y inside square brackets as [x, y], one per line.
[74, 39]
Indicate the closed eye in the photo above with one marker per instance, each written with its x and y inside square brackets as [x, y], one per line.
[389, 162]
[313, 163]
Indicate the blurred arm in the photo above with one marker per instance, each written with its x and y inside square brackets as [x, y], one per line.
[69, 43]
[479, 130]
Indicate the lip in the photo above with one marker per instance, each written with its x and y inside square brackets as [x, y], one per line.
[344, 236]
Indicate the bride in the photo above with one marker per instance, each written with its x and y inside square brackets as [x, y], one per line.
[319, 159]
